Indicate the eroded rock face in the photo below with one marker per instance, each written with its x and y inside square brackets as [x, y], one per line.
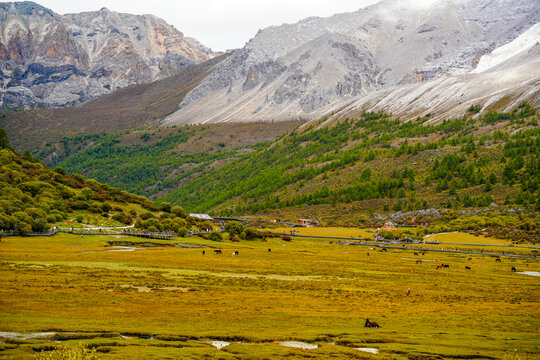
[304, 70]
[52, 60]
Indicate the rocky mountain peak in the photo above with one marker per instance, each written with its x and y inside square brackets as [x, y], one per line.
[47, 59]
[305, 69]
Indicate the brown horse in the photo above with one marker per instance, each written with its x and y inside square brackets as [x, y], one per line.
[371, 324]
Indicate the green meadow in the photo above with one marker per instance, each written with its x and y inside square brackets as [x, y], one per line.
[172, 302]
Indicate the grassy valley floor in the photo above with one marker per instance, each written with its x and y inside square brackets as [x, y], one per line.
[170, 302]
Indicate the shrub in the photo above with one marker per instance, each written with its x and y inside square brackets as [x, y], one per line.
[165, 207]
[59, 170]
[181, 232]
[234, 228]
[79, 219]
[250, 234]
[147, 215]
[40, 225]
[215, 236]
[178, 211]
[123, 218]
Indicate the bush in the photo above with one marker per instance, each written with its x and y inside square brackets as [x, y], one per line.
[215, 236]
[152, 229]
[250, 234]
[123, 218]
[234, 228]
[165, 207]
[79, 219]
[59, 170]
[178, 211]
[40, 225]
[147, 215]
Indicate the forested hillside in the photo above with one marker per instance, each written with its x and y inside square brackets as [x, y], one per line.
[350, 170]
[33, 199]
[460, 163]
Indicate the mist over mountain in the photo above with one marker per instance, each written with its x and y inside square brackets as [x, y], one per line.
[308, 69]
[53, 60]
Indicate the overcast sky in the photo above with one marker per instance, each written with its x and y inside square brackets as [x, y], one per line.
[218, 24]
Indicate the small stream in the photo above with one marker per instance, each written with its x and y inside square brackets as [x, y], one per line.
[217, 343]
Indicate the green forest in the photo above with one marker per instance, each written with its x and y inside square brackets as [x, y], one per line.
[476, 161]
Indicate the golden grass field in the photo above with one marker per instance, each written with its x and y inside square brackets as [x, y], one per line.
[168, 302]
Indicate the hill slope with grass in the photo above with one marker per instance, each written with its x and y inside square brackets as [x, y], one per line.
[356, 168]
[34, 198]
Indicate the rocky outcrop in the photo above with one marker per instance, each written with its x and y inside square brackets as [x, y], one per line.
[52, 60]
[306, 70]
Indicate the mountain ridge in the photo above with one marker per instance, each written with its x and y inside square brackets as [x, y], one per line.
[53, 60]
[303, 70]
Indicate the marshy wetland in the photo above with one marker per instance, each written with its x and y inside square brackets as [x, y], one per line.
[307, 298]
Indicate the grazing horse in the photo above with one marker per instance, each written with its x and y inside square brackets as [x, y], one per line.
[415, 254]
[497, 260]
[269, 250]
[418, 261]
[217, 251]
[439, 266]
[445, 266]
[467, 268]
[371, 324]
[236, 253]
[408, 292]
[203, 252]
[514, 269]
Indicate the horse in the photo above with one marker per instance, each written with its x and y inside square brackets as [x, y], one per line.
[415, 254]
[203, 252]
[371, 324]
[418, 261]
[467, 268]
[439, 266]
[269, 250]
[445, 266]
[217, 251]
[514, 269]
[497, 260]
[236, 253]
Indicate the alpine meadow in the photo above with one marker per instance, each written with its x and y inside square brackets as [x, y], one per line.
[363, 185]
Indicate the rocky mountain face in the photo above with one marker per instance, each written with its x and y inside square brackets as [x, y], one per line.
[503, 79]
[311, 68]
[52, 60]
